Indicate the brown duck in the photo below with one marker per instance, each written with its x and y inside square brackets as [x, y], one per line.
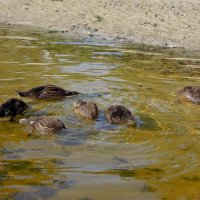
[46, 91]
[44, 124]
[190, 93]
[86, 109]
[12, 107]
[118, 114]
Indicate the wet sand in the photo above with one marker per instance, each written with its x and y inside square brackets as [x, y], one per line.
[172, 23]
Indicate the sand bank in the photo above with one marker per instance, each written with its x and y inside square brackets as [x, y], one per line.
[160, 22]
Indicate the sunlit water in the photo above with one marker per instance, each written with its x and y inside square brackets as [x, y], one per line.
[157, 159]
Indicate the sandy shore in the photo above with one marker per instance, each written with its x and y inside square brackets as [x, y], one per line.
[160, 22]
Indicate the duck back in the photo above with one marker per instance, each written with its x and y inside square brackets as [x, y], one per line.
[46, 91]
[190, 93]
[44, 124]
[12, 107]
[118, 114]
[86, 109]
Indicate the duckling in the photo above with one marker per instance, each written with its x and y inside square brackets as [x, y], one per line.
[118, 114]
[46, 91]
[44, 124]
[190, 93]
[86, 109]
[12, 107]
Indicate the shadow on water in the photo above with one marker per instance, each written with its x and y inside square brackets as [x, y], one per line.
[157, 159]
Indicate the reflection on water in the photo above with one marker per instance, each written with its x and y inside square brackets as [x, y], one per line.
[158, 159]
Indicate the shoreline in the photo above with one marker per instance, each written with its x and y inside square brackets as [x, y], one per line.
[166, 23]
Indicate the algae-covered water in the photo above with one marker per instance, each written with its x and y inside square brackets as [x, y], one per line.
[157, 159]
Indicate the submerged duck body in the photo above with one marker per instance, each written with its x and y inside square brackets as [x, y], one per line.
[44, 124]
[12, 107]
[190, 93]
[118, 114]
[86, 109]
[46, 91]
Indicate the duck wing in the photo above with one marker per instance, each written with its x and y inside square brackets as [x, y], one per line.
[47, 124]
[90, 110]
[52, 91]
[33, 93]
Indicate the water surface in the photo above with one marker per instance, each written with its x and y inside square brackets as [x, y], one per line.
[157, 159]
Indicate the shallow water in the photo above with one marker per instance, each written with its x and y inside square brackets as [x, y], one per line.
[157, 159]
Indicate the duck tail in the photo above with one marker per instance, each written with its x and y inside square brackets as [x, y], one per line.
[71, 93]
[22, 94]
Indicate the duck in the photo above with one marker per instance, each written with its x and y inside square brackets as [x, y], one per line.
[46, 91]
[12, 107]
[118, 114]
[86, 109]
[44, 124]
[190, 94]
